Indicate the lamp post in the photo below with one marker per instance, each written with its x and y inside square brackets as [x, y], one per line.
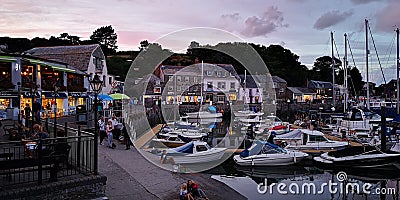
[56, 88]
[96, 85]
[33, 92]
[288, 109]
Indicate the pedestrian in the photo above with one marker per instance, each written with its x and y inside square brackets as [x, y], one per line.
[36, 108]
[183, 193]
[28, 111]
[126, 137]
[102, 128]
[109, 129]
[195, 191]
[114, 123]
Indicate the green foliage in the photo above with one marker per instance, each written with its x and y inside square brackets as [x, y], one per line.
[107, 38]
[322, 69]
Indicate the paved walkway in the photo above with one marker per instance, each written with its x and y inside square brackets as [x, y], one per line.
[131, 176]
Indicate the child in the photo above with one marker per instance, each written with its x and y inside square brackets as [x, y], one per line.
[183, 194]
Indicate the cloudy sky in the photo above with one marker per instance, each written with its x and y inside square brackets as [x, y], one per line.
[303, 26]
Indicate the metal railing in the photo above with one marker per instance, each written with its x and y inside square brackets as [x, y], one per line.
[43, 160]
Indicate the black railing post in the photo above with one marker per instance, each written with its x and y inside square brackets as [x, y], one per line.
[65, 129]
[40, 172]
[96, 140]
[383, 128]
[78, 149]
[46, 124]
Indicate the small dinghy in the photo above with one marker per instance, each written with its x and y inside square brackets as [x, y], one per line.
[266, 154]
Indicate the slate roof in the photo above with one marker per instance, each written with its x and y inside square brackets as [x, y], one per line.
[77, 56]
[300, 90]
[319, 84]
[278, 79]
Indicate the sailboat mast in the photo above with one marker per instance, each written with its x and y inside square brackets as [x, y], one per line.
[333, 73]
[244, 82]
[397, 70]
[201, 84]
[345, 73]
[366, 59]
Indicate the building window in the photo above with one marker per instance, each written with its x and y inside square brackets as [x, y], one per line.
[232, 97]
[221, 85]
[187, 79]
[179, 78]
[158, 82]
[232, 85]
[178, 88]
[109, 80]
[157, 90]
[170, 88]
[209, 73]
[195, 79]
[209, 85]
[219, 73]
[221, 98]
[170, 77]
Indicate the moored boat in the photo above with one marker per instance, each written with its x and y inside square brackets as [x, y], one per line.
[195, 152]
[310, 141]
[359, 157]
[267, 154]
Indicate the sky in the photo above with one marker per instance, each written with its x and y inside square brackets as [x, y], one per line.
[303, 26]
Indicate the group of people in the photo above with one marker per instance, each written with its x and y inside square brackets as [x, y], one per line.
[190, 190]
[111, 129]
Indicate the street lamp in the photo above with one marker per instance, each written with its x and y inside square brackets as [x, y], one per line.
[96, 85]
[56, 88]
[33, 92]
[288, 110]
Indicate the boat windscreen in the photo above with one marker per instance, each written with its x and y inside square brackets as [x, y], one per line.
[253, 150]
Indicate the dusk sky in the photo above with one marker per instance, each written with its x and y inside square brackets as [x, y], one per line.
[303, 26]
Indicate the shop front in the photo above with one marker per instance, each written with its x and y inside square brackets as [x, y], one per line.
[76, 99]
[54, 104]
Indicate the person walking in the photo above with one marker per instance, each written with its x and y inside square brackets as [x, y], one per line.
[109, 129]
[102, 128]
[114, 123]
[126, 137]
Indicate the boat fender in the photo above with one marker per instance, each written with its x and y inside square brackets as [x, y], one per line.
[252, 162]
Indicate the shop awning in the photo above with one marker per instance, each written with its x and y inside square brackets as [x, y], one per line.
[8, 94]
[103, 97]
[29, 94]
[59, 95]
[78, 95]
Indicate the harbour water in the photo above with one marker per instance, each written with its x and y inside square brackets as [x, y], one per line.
[303, 181]
[308, 182]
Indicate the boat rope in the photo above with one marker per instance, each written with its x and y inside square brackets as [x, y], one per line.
[354, 63]
[376, 52]
[387, 64]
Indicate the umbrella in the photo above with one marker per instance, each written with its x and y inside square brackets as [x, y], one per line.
[118, 96]
[105, 97]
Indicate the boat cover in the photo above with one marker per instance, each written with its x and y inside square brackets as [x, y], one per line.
[256, 148]
[295, 134]
[186, 148]
[184, 139]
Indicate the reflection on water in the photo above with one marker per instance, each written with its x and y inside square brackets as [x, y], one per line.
[328, 185]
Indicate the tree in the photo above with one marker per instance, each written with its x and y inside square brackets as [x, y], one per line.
[143, 45]
[322, 69]
[107, 38]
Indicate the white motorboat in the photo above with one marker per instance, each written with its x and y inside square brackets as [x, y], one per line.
[192, 134]
[195, 152]
[309, 141]
[359, 157]
[246, 113]
[267, 154]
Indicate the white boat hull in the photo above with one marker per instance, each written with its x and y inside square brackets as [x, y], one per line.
[203, 115]
[200, 157]
[270, 159]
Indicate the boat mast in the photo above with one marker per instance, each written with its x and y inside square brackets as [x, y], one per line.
[397, 77]
[245, 94]
[333, 73]
[345, 73]
[366, 59]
